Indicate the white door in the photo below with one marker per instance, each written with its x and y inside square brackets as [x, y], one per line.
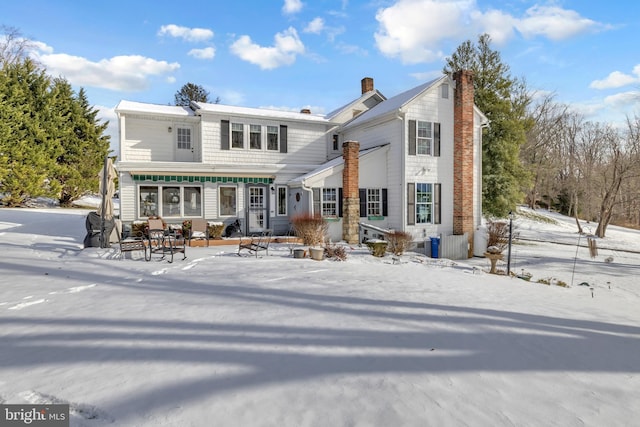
[184, 145]
[257, 209]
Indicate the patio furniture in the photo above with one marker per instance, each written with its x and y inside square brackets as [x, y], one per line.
[163, 241]
[199, 230]
[256, 244]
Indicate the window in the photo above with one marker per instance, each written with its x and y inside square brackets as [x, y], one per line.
[272, 138]
[374, 202]
[237, 135]
[282, 200]
[424, 203]
[170, 201]
[192, 201]
[183, 136]
[148, 201]
[325, 201]
[336, 143]
[444, 91]
[227, 201]
[255, 137]
[425, 137]
[329, 202]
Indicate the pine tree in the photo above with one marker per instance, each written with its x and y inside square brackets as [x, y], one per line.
[84, 146]
[28, 149]
[192, 92]
[503, 99]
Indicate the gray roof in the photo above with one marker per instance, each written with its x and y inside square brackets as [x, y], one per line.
[364, 96]
[393, 103]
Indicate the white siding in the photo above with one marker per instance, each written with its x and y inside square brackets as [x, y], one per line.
[306, 143]
[147, 139]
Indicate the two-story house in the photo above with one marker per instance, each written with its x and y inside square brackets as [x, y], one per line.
[416, 160]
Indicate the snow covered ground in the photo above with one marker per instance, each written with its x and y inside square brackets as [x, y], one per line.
[223, 340]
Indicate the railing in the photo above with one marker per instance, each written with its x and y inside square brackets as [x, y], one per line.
[369, 232]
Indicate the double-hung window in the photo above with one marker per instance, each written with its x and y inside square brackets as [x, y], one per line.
[424, 137]
[325, 201]
[255, 137]
[237, 135]
[272, 138]
[424, 203]
[374, 202]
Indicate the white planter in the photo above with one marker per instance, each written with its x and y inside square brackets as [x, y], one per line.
[317, 253]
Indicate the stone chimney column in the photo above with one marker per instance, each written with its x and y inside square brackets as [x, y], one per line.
[350, 193]
[367, 85]
[463, 162]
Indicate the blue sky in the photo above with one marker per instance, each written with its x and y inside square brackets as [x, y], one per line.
[293, 54]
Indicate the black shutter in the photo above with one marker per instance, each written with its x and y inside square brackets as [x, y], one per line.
[362, 194]
[385, 210]
[283, 139]
[411, 204]
[224, 134]
[340, 202]
[412, 137]
[436, 203]
[436, 139]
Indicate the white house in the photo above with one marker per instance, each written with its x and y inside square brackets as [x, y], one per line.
[416, 159]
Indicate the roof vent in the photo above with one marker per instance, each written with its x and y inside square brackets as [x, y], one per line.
[305, 111]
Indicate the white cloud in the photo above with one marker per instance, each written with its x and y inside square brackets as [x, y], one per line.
[623, 99]
[499, 25]
[291, 7]
[554, 23]
[315, 27]
[185, 33]
[411, 29]
[287, 45]
[617, 79]
[206, 53]
[414, 30]
[351, 49]
[122, 73]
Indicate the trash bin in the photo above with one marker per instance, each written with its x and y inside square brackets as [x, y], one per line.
[435, 246]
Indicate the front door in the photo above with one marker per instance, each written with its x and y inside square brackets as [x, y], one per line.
[184, 145]
[257, 221]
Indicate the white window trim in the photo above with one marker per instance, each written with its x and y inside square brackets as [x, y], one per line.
[277, 134]
[428, 139]
[159, 202]
[235, 213]
[378, 202]
[244, 137]
[286, 200]
[428, 204]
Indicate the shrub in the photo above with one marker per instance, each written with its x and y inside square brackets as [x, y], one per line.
[399, 242]
[498, 234]
[312, 229]
[335, 252]
[215, 230]
[377, 247]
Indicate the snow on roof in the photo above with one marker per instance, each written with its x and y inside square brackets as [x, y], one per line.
[257, 112]
[364, 96]
[142, 107]
[393, 103]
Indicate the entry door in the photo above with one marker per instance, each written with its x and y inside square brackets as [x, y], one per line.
[258, 217]
[184, 145]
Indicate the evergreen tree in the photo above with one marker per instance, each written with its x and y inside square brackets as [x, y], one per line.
[192, 92]
[503, 99]
[28, 148]
[84, 148]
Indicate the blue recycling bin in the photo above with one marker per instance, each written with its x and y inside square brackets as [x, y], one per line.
[435, 247]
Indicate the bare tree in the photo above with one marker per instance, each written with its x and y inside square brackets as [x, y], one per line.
[13, 46]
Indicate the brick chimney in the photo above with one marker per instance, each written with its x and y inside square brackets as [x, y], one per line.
[350, 193]
[367, 85]
[305, 111]
[463, 189]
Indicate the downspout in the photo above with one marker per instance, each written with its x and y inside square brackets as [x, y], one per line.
[310, 191]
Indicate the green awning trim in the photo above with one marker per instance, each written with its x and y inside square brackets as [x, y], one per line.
[191, 178]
